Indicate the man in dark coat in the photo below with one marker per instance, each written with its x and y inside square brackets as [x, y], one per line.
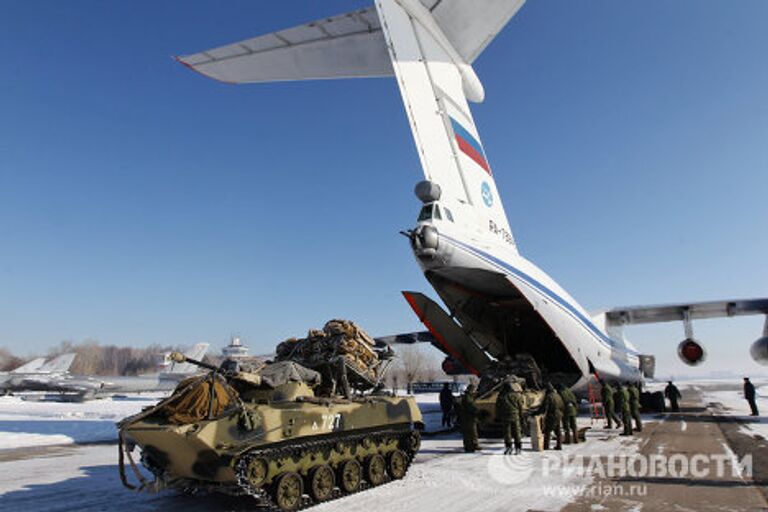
[569, 414]
[626, 409]
[553, 417]
[749, 394]
[446, 405]
[673, 395]
[509, 412]
[609, 405]
[469, 413]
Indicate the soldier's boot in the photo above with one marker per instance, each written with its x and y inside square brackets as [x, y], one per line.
[559, 438]
[518, 450]
[507, 449]
[547, 436]
[567, 438]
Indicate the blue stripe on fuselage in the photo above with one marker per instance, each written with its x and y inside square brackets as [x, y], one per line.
[605, 340]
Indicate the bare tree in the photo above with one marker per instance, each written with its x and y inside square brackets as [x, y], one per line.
[411, 363]
[8, 361]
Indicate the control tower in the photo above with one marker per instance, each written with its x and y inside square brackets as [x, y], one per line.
[235, 349]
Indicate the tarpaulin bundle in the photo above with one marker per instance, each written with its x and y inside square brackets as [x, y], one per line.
[198, 398]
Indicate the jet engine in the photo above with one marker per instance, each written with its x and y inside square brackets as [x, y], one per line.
[691, 352]
[759, 351]
[452, 367]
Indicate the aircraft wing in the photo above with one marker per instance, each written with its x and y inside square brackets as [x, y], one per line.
[407, 338]
[30, 367]
[678, 312]
[344, 46]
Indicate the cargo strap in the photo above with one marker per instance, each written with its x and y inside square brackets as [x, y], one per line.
[122, 454]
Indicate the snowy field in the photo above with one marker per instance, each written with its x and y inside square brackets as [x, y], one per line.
[28, 423]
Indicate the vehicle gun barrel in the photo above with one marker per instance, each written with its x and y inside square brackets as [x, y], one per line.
[178, 357]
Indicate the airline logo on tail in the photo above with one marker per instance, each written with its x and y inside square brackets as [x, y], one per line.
[470, 146]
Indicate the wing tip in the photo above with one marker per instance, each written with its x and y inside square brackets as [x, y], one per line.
[180, 60]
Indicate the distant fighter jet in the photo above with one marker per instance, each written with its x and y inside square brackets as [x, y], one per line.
[502, 310]
[36, 369]
[82, 387]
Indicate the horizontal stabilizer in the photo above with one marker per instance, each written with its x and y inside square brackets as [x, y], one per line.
[30, 367]
[451, 339]
[471, 26]
[694, 311]
[346, 46]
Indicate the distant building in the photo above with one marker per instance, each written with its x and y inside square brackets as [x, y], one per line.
[235, 349]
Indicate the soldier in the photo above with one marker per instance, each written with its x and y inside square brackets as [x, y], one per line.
[749, 394]
[673, 394]
[634, 404]
[569, 416]
[626, 410]
[446, 404]
[469, 420]
[609, 405]
[509, 412]
[553, 417]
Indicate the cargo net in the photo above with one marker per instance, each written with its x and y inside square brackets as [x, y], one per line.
[345, 355]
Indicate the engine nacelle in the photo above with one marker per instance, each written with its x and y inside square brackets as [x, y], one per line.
[452, 367]
[759, 351]
[690, 352]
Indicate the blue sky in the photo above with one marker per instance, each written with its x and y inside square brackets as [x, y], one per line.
[142, 203]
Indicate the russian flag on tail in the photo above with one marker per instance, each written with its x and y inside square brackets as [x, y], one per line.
[469, 145]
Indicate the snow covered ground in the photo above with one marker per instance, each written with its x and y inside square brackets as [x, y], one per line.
[26, 423]
[443, 478]
[731, 403]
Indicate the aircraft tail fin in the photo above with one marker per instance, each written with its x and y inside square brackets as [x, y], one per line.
[59, 364]
[429, 45]
[197, 352]
[435, 83]
[30, 367]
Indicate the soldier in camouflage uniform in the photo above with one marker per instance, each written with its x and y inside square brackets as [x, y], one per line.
[634, 403]
[569, 416]
[626, 409]
[469, 420]
[553, 417]
[509, 412]
[609, 405]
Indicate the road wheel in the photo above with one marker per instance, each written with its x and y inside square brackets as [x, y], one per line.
[397, 464]
[350, 476]
[288, 491]
[256, 472]
[375, 469]
[321, 483]
[412, 443]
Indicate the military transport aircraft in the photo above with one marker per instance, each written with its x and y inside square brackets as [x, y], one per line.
[500, 306]
[84, 387]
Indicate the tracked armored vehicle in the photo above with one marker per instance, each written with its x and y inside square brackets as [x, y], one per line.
[265, 433]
